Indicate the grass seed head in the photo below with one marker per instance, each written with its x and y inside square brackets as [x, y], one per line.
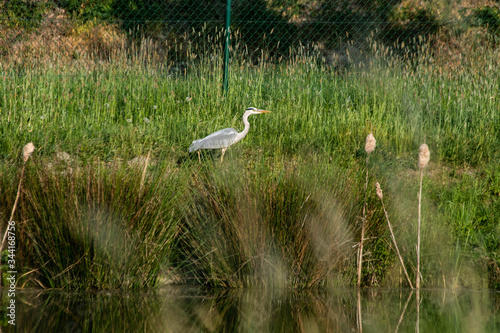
[370, 143]
[379, 191]
[27, 150]
[423, 156]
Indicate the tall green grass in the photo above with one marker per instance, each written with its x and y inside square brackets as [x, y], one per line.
[284, 207]
[93, 226]
[103, 111]
[250, 225]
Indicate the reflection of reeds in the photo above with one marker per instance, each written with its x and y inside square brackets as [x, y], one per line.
[403, 312]
[359, 314]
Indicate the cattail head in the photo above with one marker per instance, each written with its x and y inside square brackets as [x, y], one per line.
[370, 143]
[379, 191]
[423, 156]
[27, 150]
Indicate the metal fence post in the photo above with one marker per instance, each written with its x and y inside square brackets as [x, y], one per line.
[226, 46]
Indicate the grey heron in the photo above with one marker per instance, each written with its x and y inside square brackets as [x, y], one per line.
[226, 137]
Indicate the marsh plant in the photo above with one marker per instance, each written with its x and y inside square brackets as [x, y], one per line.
[28, 149]
[80, 235]
[247, 230]
[284, 207]
[423, 160]
[393, 238]
[370, 145]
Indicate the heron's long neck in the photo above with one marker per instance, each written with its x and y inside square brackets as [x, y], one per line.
[243, 133]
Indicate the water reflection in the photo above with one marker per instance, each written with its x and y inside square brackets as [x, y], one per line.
[182, 309]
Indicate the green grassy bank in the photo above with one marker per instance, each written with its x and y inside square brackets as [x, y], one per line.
[112, 199]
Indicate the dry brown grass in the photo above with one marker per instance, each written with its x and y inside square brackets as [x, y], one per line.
[59, 39]
[455, 52]
[442, 10]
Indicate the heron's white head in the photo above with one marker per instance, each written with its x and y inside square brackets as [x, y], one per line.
[252, 110]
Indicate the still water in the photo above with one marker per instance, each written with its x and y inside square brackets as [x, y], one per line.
[187, 309]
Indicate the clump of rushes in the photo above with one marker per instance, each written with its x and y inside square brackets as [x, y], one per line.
[370, 145]
[27, 151]
[423, 160]
[96, 227]
[381, 197]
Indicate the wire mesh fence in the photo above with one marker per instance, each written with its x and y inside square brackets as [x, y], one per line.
[176, 33]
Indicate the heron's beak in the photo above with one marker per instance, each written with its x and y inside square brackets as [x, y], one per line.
[264, 111]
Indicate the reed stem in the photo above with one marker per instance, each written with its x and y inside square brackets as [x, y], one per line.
[27, 151]
[363, 226]
[379, 193]
[423, 160]
[417, 283]
[370, 145]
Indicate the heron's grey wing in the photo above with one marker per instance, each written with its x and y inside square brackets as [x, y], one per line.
[220, 139]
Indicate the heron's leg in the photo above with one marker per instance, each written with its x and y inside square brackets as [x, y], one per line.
[199, 158]
[223, 152]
